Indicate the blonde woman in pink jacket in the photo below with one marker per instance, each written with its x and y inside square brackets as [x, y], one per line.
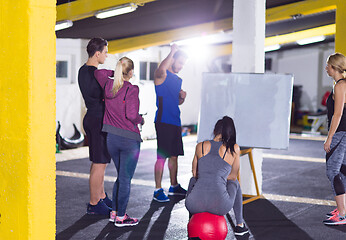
[121, 121]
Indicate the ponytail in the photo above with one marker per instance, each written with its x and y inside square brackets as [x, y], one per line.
[118, 77]
[226, 128]
[228, 133]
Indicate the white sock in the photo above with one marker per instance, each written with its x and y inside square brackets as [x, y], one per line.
[121, 218]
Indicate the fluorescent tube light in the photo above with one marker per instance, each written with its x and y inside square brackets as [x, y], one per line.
[63, 24]
[272, 48]
[311, 40]
[207, 39]
[122, 9]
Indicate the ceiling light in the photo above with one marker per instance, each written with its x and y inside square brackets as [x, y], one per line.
[272, 48]
[296, 16]
[122, 9]
[217, 38]
[311, 40]
[63, 24]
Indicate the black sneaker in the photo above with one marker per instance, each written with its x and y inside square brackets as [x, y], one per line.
[177, 190]
[240, 231]
[100, 208]
[107, 201]
[127, 221]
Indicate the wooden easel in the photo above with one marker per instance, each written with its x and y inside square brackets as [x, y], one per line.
[251, 198]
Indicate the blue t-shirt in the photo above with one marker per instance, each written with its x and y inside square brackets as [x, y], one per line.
[167, 100]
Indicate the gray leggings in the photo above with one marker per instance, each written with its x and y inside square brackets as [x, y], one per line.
[336, 163]
[238, 203]
[235, 201]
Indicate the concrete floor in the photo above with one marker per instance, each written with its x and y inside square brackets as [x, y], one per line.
[296, 190]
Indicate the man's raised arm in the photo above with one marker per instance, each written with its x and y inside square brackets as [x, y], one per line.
[160, 73]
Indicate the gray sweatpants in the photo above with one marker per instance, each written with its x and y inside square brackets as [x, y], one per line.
[235, 200]
[336, 163]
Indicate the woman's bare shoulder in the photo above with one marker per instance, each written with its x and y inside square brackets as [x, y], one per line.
[204, 143]
[206, 147]
[236, 148]
[340, 84]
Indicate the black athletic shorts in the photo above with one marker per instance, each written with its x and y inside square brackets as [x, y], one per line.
[97, 139]
[169, 141]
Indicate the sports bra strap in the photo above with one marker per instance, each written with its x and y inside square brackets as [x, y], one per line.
[224, 154]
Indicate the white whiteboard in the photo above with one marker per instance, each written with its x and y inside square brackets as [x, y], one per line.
[260, 105]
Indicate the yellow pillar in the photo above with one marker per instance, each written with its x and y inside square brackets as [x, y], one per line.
[340, 20]
[27, 119]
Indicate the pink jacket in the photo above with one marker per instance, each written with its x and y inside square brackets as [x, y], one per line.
[121, 114]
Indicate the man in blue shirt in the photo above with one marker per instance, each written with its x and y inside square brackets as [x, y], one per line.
[169, 96]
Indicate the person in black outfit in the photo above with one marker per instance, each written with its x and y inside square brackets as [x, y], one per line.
[92, 123]
[335, 144]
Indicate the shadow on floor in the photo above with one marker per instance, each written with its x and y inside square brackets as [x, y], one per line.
[157, 229]
[79, 225]
[266, 221]
[341, 228]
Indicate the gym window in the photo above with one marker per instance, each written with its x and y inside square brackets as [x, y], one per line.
[147, 70]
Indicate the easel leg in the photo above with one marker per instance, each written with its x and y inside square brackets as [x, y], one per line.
[251, 197]
[254, 172]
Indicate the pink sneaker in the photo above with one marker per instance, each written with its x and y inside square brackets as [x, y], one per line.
[112, 216]
[332, 213]
[335, 220]
[127, 221]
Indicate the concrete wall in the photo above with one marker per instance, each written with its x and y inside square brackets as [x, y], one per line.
[69, 103]
[307, 64]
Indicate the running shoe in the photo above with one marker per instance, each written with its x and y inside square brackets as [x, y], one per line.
[240, 231]
[335, 220]
[99, 209]
[126, 222]
[160, 196]
[177, 190]
[332, 213]
[107, 201]
[112, 216]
